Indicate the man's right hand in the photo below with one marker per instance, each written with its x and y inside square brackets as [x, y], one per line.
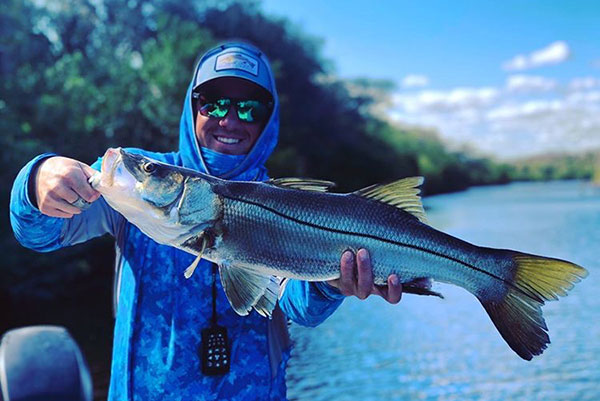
[60, 181]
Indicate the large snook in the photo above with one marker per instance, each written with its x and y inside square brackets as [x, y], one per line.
[294, 228]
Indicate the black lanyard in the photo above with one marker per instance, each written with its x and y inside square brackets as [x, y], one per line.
[215, 350]
[214, 294]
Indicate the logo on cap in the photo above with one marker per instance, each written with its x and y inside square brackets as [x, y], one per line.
[237, 61]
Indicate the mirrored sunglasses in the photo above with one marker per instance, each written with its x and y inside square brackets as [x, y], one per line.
[248, 110]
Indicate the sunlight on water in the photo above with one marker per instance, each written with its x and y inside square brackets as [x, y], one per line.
[433, 349]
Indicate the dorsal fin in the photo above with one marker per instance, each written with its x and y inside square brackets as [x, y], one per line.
[403, 194]
[305, 184]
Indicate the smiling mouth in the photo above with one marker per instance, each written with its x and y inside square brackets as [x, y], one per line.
[228, 141]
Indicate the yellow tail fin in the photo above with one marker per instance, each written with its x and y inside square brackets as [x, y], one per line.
[518, 317]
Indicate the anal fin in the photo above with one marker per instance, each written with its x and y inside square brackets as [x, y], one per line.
[420, 286]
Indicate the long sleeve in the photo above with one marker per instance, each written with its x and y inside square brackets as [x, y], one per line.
[309, 303]
[43, 233]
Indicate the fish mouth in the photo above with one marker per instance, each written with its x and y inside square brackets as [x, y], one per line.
[111, 160]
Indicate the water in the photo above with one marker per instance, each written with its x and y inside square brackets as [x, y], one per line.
[433, 349]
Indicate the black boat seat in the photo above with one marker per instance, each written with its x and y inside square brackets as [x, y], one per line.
[43, 363]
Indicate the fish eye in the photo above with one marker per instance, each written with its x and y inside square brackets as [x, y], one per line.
[149, 167]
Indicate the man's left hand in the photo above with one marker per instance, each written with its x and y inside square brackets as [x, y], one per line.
[356, 278]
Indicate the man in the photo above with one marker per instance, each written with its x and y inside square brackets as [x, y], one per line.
[229, 127]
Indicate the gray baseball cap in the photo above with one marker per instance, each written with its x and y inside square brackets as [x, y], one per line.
[235, 59]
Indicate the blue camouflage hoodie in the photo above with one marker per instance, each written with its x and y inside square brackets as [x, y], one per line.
[160, 314]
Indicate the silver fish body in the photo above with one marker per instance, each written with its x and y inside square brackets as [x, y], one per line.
[294, 228]
[301, 234]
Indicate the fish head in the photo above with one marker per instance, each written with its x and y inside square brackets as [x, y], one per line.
[134, 184]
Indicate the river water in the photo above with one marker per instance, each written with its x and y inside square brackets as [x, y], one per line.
[447, 349]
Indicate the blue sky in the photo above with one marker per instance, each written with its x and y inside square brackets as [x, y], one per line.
[511, 78]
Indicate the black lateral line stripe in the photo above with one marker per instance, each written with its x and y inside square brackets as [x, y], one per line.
[306, 223]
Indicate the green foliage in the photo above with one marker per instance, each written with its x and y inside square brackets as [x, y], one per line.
[421, 152]
[79, 77]
[558, 167]
[74, 84]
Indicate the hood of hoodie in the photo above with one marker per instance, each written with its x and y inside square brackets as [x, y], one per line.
[224, 61]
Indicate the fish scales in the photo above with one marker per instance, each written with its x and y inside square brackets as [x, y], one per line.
[305, 232]
[290, 228]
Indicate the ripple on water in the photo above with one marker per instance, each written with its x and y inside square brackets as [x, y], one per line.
[430, 349]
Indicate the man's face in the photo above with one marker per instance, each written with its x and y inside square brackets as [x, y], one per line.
[228, 135]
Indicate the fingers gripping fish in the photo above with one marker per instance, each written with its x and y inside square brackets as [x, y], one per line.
[295, 228]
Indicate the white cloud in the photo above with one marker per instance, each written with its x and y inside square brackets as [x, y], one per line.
[529, 115]
[558, 125]
[447, 101]
[415, 81]
[529, 83]
[584, 98]
[525, 109]
[584, 83]
[554, 53]
[519, 62]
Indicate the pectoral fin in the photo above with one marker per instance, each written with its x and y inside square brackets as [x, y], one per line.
[246, 290]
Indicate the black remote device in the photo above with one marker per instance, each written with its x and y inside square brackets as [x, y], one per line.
[215, 351]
